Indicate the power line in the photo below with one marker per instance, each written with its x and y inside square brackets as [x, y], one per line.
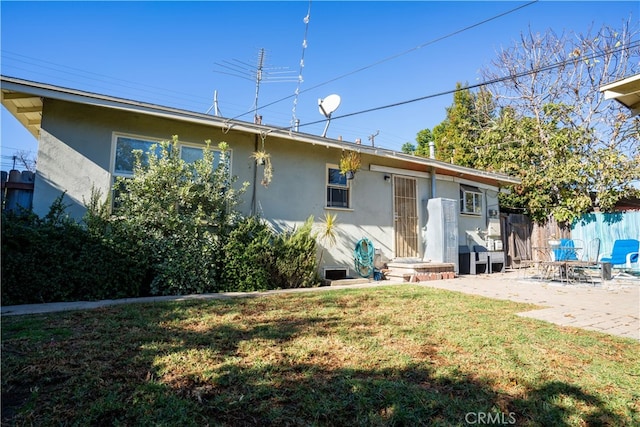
[477, 85]
[102, 77]
[137, 85]
[389, 58]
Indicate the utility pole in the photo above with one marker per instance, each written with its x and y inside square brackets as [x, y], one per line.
[372, 138]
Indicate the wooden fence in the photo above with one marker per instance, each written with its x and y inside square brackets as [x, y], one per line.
[521, 235]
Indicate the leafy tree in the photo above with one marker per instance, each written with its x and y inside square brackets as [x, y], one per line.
[423, 139]
[583, 150]
[408, 148]
[542, 118]
[457, 136]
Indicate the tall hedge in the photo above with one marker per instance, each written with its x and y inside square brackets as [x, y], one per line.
[55, 259]
[173, 230]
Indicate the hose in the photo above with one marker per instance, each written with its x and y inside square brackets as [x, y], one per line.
[363, 257]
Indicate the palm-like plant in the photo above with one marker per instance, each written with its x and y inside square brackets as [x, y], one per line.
[328, 232]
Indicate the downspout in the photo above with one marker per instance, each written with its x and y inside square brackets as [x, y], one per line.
[432, 155]
[255, 177]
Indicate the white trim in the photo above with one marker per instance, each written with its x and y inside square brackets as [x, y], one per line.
[114, 142]
[470, 182]
[116, 134]
[398, 171]
[348, 187]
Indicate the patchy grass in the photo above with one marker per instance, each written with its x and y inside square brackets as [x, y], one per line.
[398, 355]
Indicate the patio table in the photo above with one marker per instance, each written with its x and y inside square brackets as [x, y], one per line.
[559, 262]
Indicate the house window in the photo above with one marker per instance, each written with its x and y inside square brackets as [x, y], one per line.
[337, 189]
[125, 158]
[470, 200]
[190, 154]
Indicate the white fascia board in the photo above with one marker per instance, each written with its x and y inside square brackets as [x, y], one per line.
[399, 171]
[620, 83]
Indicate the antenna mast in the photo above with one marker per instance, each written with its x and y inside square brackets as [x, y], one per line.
[257, 119]
[257, 74]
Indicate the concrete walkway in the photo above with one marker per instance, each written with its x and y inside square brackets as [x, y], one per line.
[612, 307]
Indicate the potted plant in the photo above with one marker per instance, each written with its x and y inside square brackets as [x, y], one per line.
[349, 163]
[264, 159]
[261, 157]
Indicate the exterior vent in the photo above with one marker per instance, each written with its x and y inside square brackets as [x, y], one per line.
[336, 273]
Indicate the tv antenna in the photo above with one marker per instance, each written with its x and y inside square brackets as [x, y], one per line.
[258, 73]
[327, 106]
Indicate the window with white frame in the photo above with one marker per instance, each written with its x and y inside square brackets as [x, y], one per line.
[125, 157]
[470, 200]
[337, 189]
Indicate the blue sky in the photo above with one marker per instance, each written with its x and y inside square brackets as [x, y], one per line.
[370, 53]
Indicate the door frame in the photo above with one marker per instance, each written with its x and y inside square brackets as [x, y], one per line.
[402, 232]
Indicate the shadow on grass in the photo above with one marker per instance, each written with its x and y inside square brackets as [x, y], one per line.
[126, 380]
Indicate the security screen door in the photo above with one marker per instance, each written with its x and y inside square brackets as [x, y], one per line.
[405, 215]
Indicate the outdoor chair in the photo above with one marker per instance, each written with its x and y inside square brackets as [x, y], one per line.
[490, 258]
[583, 269]
[472, 262]
[624, 256]
[567, 251]
[591, 253]
[565, 256]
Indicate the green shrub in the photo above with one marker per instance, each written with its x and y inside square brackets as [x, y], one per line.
[249, 257]
[55, 259]
[296, 262]
[257, 258]
[178, 214]
[174, 230]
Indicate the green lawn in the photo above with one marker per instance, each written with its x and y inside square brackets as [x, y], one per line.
[396, 355]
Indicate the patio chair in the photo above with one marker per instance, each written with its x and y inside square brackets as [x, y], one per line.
[484, 256]
[567, 251]
[565, 258]
[592, 251]
[587, 264]
[472, 262]
[624, 256]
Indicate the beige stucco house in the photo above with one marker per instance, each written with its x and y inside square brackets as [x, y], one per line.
[84, 137]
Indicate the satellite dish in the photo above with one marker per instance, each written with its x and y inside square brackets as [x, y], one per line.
[327, 106]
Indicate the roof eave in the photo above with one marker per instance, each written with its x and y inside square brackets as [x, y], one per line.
[44, 90]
